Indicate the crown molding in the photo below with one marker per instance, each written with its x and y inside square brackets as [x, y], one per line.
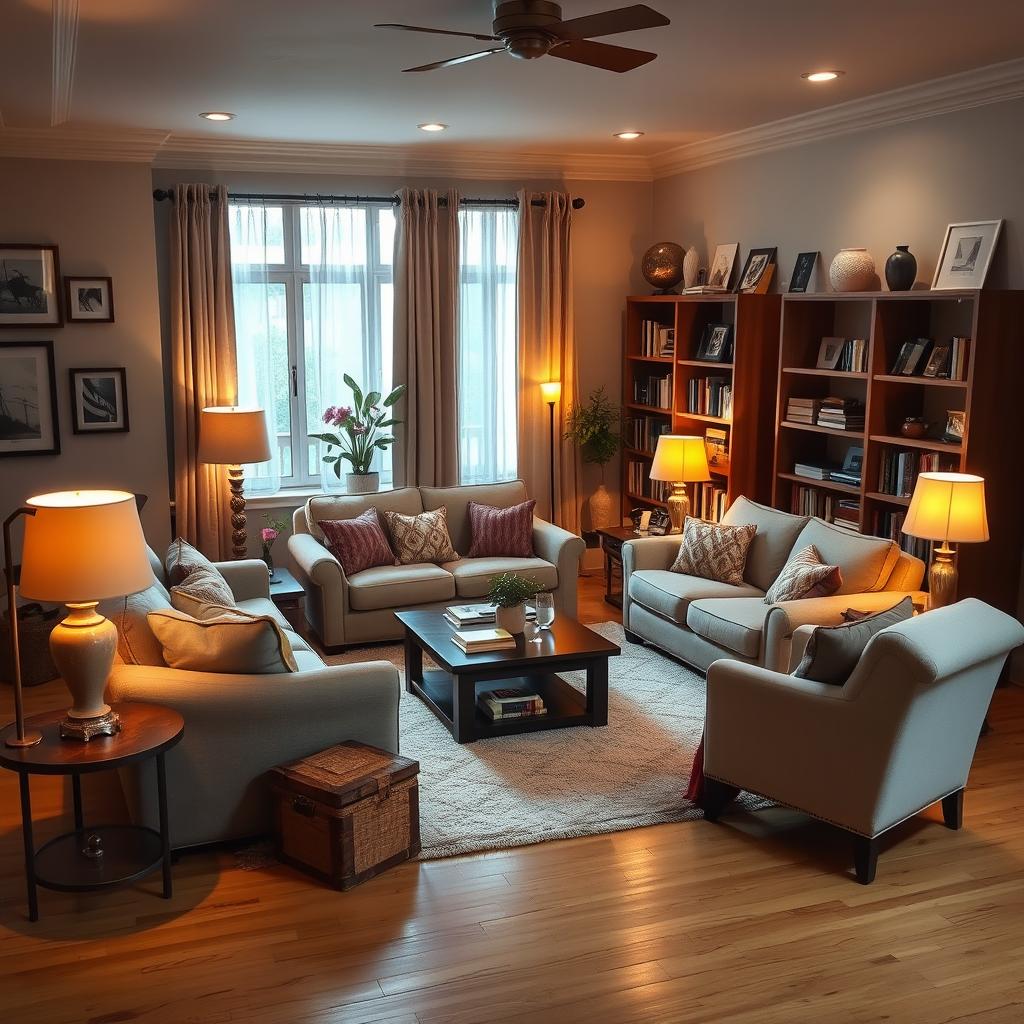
[995, 83]
[65, 143]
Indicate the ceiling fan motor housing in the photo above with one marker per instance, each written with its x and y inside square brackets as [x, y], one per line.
[521, 25]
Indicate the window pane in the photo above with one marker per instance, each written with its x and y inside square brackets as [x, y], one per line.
[386, 235]
[250, 242]
[343, 245]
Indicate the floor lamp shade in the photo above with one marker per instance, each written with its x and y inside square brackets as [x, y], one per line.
[551, 390]
[680, 460]
[229, 436]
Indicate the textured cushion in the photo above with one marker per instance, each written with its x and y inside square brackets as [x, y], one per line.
[473, 575]
[264, 606]
[233, 642]
[805, 575]
[713, 552]
[137, 644]
[866, 562]
[347, 506]
[399, 586]
[735, 623]
[422, 538]
[832, 652]
[456, 500]
[669, 593]
[501, 532]
[772, 544]
[182, 560]
[203, 589]
[358, 543]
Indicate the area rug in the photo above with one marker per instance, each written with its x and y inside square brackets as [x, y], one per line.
[515, 790]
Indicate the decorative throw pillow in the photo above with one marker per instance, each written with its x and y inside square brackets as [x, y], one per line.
[501, 532]
[136, 642]
[713, 552]
[358, 543]
[182, 560]
[422, 538]
[805, 575]
[232, 642]
[832, 652]
[200, 589]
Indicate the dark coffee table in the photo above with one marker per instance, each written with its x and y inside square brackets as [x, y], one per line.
[451, 691]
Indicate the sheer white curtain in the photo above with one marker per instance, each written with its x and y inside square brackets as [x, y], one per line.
[261, 336]
[488, 380]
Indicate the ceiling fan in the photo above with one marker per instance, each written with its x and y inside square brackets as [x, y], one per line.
[529, 29]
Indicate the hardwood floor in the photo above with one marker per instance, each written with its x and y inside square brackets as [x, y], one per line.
[756, 920]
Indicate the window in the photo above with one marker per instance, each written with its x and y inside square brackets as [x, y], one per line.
[313, 300]
[488, 380]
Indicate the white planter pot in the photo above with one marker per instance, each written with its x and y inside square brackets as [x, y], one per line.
[600, 509]
[362, 483]
[512, 619]
[852, 270]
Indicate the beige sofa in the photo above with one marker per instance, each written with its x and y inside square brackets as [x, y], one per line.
[237, 727]
[700, 620]
[345, 610]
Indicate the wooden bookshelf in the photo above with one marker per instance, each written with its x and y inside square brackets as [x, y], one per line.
[987, 397]
[755, 322]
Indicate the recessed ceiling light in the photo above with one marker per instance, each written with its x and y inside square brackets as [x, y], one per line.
[217, 115]
[821, 76]
[628, 135]
[432, 126]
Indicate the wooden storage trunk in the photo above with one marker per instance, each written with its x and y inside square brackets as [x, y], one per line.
[347, 813]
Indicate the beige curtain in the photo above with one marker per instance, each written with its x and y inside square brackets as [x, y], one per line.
[426, 324]
[547, 351]
[202, 357]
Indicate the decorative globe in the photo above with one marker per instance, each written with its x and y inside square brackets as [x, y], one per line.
[662, 266]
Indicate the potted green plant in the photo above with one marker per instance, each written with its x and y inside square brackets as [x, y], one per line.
[509, 593]
[358, 435]
[595, 427]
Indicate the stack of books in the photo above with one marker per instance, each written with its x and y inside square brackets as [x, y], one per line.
[656, 340]
[709, 396]
[814, 470]
[478, 641]
[841, 413]
[803, 410]
[460, 615]
[510, 702]
[853, 466]
[846, 515]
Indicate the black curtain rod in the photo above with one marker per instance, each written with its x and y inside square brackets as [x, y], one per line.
[160, 194]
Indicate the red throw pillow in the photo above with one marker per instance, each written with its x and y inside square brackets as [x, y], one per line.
[501, 532]
[358, 543]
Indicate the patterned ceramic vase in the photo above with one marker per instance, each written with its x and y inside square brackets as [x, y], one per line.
[600, 508]
[691, 267]
[852, 270]
[362, 483]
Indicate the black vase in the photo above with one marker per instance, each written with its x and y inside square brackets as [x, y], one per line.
[901, 269]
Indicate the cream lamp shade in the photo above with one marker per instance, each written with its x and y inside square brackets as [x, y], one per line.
[551, 390]
[680, 459]
[948, 507]
[230, 436]
[84, 546]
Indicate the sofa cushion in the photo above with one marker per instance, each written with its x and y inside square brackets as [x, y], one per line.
[736, 623]
[804, 576]
[669, 593]
[457, 499]
[264, 606]
[473, 575]
[359, 543]
[137, 644]
[182, 560]
[399, 586]
[713, 551]
[421, 538]
[772, 544]
[201, 590]
[866, 562]
[501, 532]
[347, 506]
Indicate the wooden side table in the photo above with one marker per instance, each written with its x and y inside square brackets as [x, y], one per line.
[612, 539]
[96, 857]
[285, 590]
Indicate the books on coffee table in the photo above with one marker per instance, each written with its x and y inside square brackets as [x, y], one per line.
[460, 615]
[510, 702]
[476, 641]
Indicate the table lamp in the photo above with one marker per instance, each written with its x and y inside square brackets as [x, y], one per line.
[680, 460]
[551, 392]
[82, 547]
[234, 437]
[946, 507]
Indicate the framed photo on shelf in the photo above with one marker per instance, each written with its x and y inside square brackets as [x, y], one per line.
[955, 422]
[757, 271]
[802, 271]
[99, 400]
[89, 300]
[939, 361]
[28, 399]
[966, 254]
[829, 352]
[29, 285]
[716, 344]
[720, 271]
[913, 358]
[659, 524]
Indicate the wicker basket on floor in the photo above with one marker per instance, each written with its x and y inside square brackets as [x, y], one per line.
[34, 627]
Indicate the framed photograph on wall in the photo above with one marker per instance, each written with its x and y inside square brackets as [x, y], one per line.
[29, 285]
[28, 399]
[966, 254]
[89, 300]
[757, 271]
[802, 271]
[99, 400]
[720, 271]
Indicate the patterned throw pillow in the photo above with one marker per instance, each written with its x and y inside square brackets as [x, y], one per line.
[200, 589]
[358, 543]
[501, 532]
[422, 538]
[805, 575]
[714, 552]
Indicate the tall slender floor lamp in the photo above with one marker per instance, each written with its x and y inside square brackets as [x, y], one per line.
[551, 391]
[22, 737]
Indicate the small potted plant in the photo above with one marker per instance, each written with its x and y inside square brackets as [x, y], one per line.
[509, 593]
[358, 435]
[270, 533]
[594, 426]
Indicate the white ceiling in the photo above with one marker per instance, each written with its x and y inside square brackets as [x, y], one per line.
[317, 71]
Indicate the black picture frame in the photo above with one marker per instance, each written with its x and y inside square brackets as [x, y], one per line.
[21, 293]
[753, 279]
[715, 344]
[80, 293]
[99, 400]
[803, 269]
[660, 523]
[29, 423]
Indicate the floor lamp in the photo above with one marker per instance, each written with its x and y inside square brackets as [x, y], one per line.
[22, 737]
[551, 391]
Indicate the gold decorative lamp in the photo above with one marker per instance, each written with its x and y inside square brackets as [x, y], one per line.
[551, 392]
[82, 547]
[680, 460]
[234, 437]
[946, 507]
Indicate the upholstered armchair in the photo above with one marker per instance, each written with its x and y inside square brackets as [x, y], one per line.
[897, 737]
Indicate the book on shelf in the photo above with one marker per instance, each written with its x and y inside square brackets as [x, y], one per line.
[898, 469]
[841, 413]
[852, 467]
[709, 501]
[653, 390]
[656, 339]
[704, 289]
[640, 484]
[889, 524]
[854, 356]
[476, 641]
[814, 470]
[841, 512]
[643, 431]
[802, 410]
[716, 441]
[510, 702]
[709, 396]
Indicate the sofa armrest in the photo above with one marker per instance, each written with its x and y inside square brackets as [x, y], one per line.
[247, 578]
[650, 553]
[564, 550]
[315, 560]
[801, 637]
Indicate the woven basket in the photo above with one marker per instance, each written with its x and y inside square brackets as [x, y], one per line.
[34, 627]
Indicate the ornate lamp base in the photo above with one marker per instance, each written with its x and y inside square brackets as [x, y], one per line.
[942, 577]
[678, 507]
[239, 538]
[85, 728]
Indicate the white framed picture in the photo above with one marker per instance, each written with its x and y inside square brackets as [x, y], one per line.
[966, 255]
[720, 271]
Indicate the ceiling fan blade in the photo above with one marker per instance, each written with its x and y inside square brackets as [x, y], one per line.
[601, 55]
[465, 58]
[436, 31]
[624, 19]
